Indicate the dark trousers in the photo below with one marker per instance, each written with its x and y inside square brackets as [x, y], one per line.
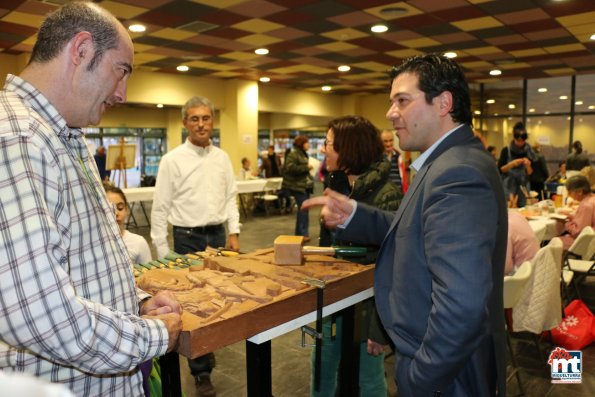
[194, 239]
[302, 217]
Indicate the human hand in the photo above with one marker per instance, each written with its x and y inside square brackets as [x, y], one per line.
[162, 303]
[336, 207]
[233, 242]
[374, 348]
[173, 323]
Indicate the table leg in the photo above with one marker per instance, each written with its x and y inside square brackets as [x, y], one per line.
[348, 383]
[170, 375]
[145, 213]
[131, 217]
[258, 369]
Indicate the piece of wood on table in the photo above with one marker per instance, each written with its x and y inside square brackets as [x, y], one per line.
[288, 250]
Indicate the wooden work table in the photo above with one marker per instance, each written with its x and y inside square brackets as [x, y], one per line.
[346, 284]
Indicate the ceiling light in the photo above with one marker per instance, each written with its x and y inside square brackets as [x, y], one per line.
[159, 105]
[490, 101]
[512, 106]
[591, 107]
[495, 72]
[326, 88]
[344, 68]
[450, 54]
[393, 12]
[137, 28]
[543, 89]
[182, 68]
[477, 112]
[532, 110]
[578, 103]
[379, 28]
[563, 97]
[261, 51]
[547, 112]
[592, 37]
[265, 79]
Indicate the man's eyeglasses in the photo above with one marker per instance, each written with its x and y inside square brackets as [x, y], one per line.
[521, 135]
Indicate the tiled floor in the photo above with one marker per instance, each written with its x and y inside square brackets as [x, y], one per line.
[291, 363]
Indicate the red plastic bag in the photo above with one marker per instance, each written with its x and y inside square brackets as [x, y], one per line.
[576, 330]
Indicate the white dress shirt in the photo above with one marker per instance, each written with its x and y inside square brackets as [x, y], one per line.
[195, 187]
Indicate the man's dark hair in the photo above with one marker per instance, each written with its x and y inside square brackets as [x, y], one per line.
[436, 74]
[357, 143]
[63, 24]
[578, 147]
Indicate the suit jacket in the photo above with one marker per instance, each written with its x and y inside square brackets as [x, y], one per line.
[439, 273]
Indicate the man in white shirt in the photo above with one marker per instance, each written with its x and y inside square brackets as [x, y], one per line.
[196, 192]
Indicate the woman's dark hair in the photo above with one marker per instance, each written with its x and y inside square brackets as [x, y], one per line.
[437, 74]
[357, 143]
[300, 141]
[109, 188]
[519, 131]
[578, 147]
[578, 182]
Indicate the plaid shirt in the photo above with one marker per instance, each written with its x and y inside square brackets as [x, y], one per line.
[67, 292]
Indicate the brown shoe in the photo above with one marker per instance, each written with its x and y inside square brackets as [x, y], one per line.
[306, 239]
[204, 387]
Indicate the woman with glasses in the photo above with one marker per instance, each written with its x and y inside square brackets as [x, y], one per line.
[354, 158]
[515, 165]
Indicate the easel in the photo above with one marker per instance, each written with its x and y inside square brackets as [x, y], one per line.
[120, 157]
[121, 164]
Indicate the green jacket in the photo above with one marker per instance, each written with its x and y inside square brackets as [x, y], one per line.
[296, 174]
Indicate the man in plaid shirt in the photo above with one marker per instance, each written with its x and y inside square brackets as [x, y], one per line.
[69, 309]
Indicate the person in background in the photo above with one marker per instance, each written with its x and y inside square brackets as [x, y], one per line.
[439, 272]
[271, 163]
[515, 165]
[540, 173]
[137, 246]
[246, 173]
[577, 160]
[589, 173]
[522, 243]
[398, 169]
[101, 162]
[297, 181]
[356, 167]
[579, 189]
[196, 192]
[69, 308]
[492, 150]
[560, 175]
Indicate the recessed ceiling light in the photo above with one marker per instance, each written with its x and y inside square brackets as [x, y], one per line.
[159, 105]
[578, 103]
[392, 12]
[512, 106]
[137, 28]
[265, 79]
[532, 110]
[326, 88]
[344, 68]
[490, 101]
[182, 68]
[477, 112]
[543, 89]
[450, 54]
[261, 51]
[379, 28]
[495, 72]
[591, 107]
[592, 37]
[563, 97]
[547, 112]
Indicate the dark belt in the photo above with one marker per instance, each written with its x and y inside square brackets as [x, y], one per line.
[201, 229]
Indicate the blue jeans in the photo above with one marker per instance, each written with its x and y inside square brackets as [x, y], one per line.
[372, 381]
[302, 217]
[188, 240]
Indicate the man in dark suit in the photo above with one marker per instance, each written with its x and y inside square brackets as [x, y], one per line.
[439, 273]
